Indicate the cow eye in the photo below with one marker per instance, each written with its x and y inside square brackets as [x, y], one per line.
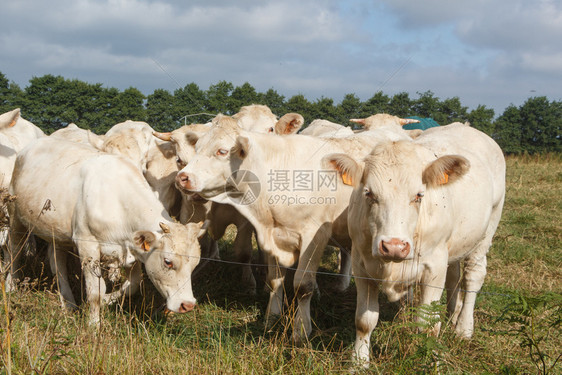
[168, 263]
[418, 198]
[370, 196]
[222, 152]
[180, 162]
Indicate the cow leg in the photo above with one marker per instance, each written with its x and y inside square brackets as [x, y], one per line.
[57, 262]
[473, 278]
[454, 295]
[89, 251]
[13, 252]
[432, 285]
[344, 269]
[275, 279]
[130, 286]
[305, 279]
[243, 250]
[366, 313]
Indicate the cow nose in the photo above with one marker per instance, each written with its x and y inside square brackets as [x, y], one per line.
[183, 180]
[186, 307]
[395, 248]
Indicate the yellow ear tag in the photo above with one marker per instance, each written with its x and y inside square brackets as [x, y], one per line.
[444, 179]
[12, 123]
[145, 246]
[347, 179]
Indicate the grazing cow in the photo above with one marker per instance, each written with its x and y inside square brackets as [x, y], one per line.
[74, 195]
[293, 223]
[420, 209]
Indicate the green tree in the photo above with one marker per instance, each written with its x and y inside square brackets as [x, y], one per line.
[299, 104]
[190, 105]
[378, 103]
[507, 130]
[160, 111]
[48, 102]
[349, 108]
[274, 101]
[11, 95]
[451, 110]
[323, 108]
[426, 105]
[482, 118]
[128, 105]
[540, 125]
[218, 98]
[243, 95]
[400, 105]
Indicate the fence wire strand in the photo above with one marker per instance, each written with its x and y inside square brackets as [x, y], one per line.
[317, 272]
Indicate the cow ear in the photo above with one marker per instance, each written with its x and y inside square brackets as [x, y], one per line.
[191, 138]
[95, 140]
[348, 169]
[144, 240]
[445, 170]
[199, 228]
[9, 119]
[289, 123]
[241, 147]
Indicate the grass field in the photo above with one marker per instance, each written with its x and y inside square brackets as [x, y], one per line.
[517, 318]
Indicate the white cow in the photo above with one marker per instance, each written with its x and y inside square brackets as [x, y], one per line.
[381, 120]
[15, 134]
[220, 216]
[155, 159]
[74, 195]
[294, 208]
[419, 210]
[325, 128]
[76, 134]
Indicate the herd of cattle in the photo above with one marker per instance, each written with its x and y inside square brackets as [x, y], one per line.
[412, 206]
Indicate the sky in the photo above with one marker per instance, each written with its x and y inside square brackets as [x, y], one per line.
[493, 53]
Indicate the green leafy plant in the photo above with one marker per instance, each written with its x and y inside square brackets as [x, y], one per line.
[536, 323]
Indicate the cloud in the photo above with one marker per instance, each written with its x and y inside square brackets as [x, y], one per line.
[481, 51]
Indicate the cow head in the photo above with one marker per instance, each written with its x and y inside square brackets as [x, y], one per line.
[390, 185]
[170, 258]
[257, 118]
[207, 172]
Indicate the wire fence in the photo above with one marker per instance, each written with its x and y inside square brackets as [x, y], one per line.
[202, 261]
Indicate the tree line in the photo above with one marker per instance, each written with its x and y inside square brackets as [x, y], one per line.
[52, 102]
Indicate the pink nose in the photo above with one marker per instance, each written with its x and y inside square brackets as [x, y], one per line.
[395, 248]
[183, 180]
[186, 307]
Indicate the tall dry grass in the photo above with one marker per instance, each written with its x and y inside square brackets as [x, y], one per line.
[226, 333]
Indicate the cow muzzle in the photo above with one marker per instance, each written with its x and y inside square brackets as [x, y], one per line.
[186, 307]
[394, 249]
[185, 181]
